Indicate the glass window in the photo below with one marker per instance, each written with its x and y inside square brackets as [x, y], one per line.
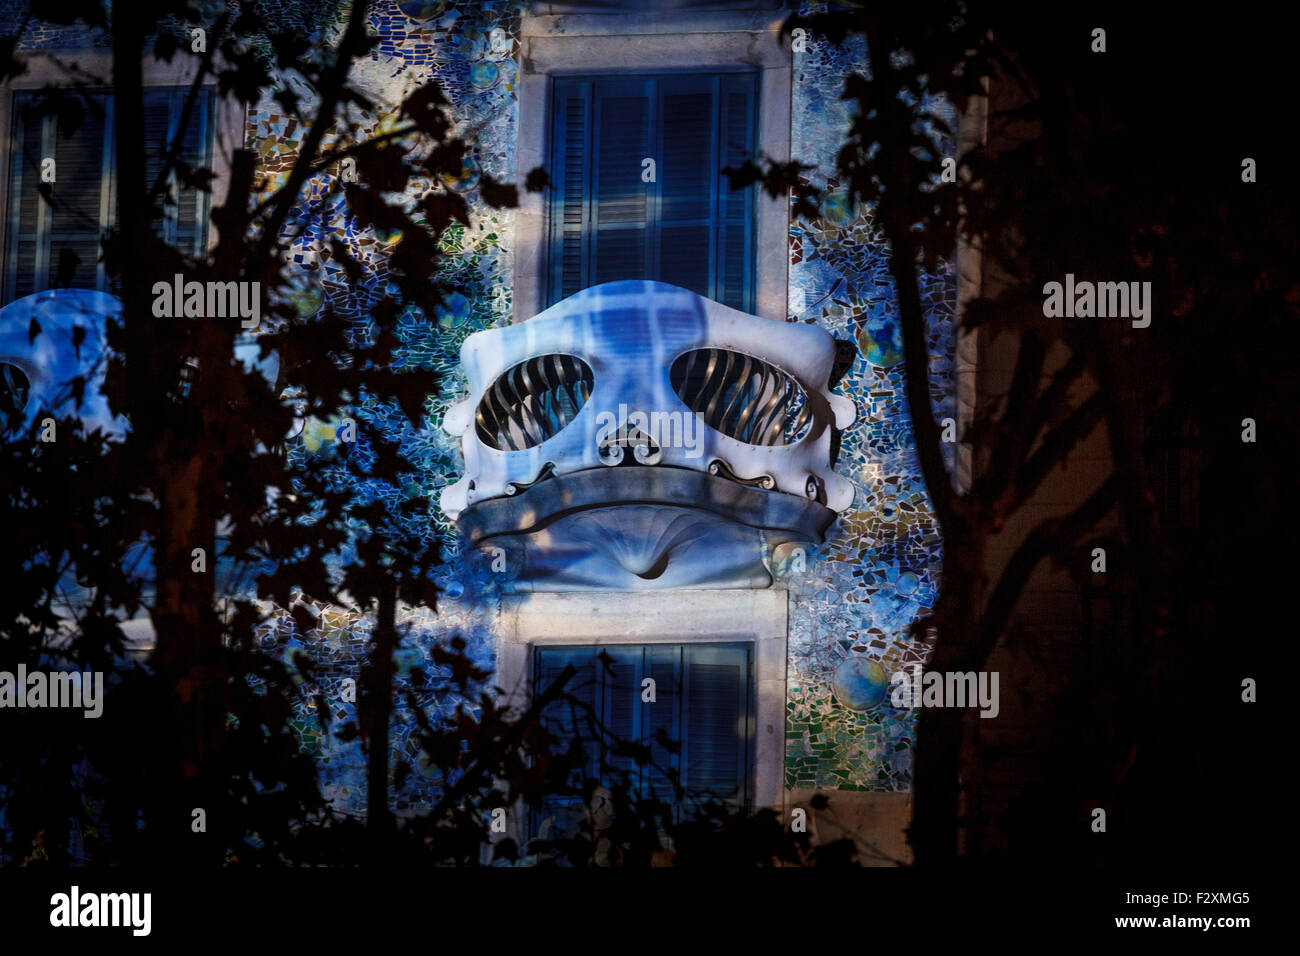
[639, 193]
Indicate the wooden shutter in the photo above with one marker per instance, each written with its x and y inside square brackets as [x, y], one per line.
[80, 203]
[688, 180]
[571, 174]
[685, 228]
[28, 212]
[184, 211]
[565, 722]
[734, 284]
[57, 242]
[622, 206]
[621, 678]
[702, 703]
[664, 664]
[602, 211]
[715, 713]
[157, 134]
[42, 235]
[196, 150]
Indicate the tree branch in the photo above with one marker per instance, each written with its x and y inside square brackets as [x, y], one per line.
[1055, 448]
[333, 82]
[1051, 535]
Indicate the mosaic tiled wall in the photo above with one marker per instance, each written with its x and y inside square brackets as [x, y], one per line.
[468, 48]
[850, 612]
[38, 35]
[850, 603]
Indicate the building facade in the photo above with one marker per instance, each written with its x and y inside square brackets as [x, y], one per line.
[776, 636]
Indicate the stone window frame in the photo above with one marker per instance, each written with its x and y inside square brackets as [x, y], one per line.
[96, 65]
[612, 618]
[666, 42]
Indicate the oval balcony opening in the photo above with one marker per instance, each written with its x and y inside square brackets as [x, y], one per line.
[741, 396]
[532, 401]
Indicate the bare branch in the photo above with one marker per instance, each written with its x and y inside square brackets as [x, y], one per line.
[1050, 536]
[1055, 448]
[334, 83]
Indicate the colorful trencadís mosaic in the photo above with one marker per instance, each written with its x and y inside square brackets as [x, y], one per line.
[879, 570]
[851, 603]
[468, 49]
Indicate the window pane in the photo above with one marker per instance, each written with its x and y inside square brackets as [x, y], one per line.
[58, 243]
[715, 718]
[663, 664]
[685, 227]
[25, 203]
[701, 705]
[76, 214]
[688, 171]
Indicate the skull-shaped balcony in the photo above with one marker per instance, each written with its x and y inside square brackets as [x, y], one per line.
[639, 436]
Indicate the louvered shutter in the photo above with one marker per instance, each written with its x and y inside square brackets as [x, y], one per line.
[688, 165]
[566, 722]
[42, 236]
[28, 212]
[622, 692]
[57, 243]
[183, 211]
[571, 173]
[621, 204]
[664, 665]
[715, 714]
[686, 227]
[702, 704]
[157, 133]
[734, 283]
[80, 202]
[196, 150]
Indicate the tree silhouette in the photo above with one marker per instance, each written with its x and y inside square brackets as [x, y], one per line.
[1057, 186]
[205, 722]
[204, 480]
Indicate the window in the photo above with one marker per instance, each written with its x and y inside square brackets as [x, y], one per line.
[612, 219]
[702, 702]
[56, 243]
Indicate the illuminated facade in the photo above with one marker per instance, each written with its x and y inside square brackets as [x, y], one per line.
[783, 507]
